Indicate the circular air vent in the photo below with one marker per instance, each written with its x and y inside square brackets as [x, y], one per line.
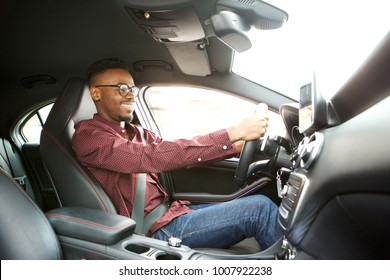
[311, 150]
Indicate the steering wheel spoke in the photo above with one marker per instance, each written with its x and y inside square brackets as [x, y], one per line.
[245, 160]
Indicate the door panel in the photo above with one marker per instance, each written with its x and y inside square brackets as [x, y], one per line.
[215, 183]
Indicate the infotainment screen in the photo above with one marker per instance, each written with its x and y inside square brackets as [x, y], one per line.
[305, 108]
[312, 109]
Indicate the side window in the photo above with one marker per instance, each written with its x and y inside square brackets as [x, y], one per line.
[183, 112]
[31, 130]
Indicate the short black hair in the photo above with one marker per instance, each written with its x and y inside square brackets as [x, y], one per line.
[102, 65]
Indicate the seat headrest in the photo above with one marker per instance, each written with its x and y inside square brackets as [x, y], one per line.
[74, 105]
[74, 184]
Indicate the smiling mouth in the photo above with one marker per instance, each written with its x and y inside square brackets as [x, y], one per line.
[128, 106]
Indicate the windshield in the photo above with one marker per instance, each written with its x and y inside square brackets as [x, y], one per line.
[331, 37]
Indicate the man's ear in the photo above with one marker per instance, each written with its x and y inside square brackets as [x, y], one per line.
[95, 93]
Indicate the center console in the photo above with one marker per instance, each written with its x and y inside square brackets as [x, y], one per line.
[295, 186]
[293, 183]
[94, 234]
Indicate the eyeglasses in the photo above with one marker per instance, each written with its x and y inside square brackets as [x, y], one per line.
[124, 89]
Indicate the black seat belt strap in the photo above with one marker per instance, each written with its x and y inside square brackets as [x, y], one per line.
[15, 165]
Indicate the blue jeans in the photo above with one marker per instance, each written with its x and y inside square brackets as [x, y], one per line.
[222, 225]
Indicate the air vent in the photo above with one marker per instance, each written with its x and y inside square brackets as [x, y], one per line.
[295, 186]
[311, 150]
[246, 2]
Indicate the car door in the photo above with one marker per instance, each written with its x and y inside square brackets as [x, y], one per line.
[183, 112]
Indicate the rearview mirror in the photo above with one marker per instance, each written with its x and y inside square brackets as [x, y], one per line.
[231, 29]
[235, 18]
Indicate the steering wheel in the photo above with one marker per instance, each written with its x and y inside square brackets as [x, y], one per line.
[245, 159]
[271, 146]
[247, 153]
[278, 148]
[245, 168]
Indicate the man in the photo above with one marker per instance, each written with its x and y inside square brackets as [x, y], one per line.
[116, 151]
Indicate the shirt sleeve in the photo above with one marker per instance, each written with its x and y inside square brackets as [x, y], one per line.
[102, 147]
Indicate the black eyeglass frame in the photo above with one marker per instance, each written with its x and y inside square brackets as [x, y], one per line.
[124, 89]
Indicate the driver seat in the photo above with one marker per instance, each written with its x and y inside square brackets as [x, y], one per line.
[74, 184]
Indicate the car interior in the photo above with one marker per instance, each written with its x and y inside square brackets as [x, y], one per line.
[328, 170]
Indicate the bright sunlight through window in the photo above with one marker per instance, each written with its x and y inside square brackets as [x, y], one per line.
[331, 37]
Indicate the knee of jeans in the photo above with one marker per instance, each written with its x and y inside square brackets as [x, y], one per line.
[260, 199]
[161, 235]
[262, 202]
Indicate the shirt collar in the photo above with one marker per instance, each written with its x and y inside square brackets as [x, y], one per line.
[114, 125]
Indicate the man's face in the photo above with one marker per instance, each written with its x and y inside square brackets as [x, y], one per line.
[110, 104]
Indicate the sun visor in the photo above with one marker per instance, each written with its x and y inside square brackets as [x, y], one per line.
[191, 57]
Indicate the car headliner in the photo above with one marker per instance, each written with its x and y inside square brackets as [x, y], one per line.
[61, 38]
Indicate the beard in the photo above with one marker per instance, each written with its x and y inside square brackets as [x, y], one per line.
[127, 118]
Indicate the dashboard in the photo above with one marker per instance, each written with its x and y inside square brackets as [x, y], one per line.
[335, 193]
[303, 122]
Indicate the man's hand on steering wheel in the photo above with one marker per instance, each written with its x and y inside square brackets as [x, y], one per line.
[250, 130]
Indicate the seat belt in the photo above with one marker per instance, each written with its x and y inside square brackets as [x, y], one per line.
[144, 223]
[154, 215]
[139, 203]
[15, 165]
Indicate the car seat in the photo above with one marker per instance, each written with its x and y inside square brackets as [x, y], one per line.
[74, 185]
[25, 233]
